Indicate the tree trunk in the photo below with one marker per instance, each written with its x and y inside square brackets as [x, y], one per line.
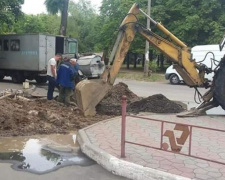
[64, 15]
[161, 61]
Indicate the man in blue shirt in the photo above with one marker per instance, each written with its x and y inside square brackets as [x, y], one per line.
[65, 78]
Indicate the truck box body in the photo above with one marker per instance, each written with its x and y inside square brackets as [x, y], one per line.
[28, 54]
[32, 54]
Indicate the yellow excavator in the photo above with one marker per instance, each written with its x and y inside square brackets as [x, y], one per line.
[90, 92]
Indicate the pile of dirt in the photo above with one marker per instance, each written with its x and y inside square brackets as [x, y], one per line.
[21, 118]
[115, 94]
[156, 104]
[111, 104]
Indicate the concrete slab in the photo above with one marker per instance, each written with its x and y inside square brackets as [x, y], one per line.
[101, 142]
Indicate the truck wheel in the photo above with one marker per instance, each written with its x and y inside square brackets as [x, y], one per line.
[18, 77]
[41, 79]
[174, 79]
[219, 91]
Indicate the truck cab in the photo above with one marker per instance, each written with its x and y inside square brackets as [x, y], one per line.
[67, 46]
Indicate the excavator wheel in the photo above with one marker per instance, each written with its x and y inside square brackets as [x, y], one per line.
[219, 91]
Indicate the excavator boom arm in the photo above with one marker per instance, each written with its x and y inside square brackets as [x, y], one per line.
[178, 52]
[181, 56]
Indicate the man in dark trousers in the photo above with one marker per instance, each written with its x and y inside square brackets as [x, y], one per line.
[65, 78]
[51, 75]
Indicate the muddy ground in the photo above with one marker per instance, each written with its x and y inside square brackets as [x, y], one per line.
[41, 117]
[19, 117]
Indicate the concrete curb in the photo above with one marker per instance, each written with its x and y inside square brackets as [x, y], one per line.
[118, 166]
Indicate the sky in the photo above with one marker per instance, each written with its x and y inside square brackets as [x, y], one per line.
[38, 6]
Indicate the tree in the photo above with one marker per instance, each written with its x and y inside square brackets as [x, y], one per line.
[54, 6]
[193, 21]
[42, 23]
[10, 11]
[29, 24]
[111, 15]
[82, 24]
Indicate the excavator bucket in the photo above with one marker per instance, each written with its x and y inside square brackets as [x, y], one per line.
[89, 93]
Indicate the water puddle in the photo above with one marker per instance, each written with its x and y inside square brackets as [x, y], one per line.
[42, 154]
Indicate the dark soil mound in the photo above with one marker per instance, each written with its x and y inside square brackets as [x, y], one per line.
[156, 104]
[111, 104]
[114, 96]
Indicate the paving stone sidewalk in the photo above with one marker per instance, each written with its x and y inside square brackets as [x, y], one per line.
[208, 144]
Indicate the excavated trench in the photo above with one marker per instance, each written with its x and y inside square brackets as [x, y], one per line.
[20, 117]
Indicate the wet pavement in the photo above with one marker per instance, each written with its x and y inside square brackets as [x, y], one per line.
[42, 155]
[40, 159]
[106, 136]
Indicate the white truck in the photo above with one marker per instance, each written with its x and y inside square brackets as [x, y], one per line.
[199, 53]
[25, 56]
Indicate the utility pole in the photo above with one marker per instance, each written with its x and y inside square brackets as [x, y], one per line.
[146, 67]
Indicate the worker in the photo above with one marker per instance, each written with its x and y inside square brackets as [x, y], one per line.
[51, 75]
[65, 78]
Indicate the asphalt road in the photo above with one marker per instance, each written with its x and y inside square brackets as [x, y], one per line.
[173, 92]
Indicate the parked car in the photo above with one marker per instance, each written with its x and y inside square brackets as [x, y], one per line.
[91, 66]
[198, 53]
[173, 76]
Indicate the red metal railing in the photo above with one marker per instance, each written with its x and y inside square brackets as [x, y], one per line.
[190, 127]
